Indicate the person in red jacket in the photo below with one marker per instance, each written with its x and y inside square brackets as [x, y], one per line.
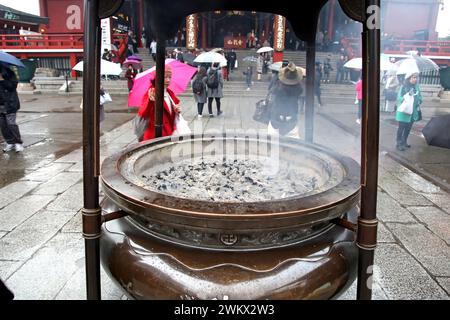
[171, 108]
[359, 97]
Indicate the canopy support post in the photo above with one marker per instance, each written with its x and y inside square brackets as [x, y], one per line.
[159, 103]
[309, 95]
[91, 212]
[367, 221]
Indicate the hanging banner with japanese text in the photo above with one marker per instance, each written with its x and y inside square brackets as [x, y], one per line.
[191, 31]
[279, 33]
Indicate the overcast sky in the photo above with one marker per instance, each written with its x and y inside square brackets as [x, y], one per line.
[32, 6]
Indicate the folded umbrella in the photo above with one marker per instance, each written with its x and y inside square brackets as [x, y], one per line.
[10, 59]
[437, 131]
[181, 75]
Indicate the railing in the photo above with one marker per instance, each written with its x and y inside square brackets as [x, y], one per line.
[47, 41]
[428, 48]
[430, 77]
[44, 41]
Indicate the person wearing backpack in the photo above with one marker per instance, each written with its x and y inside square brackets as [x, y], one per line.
[199, 89]
[214, 82]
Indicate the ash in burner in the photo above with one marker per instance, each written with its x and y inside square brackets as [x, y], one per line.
[237, 180]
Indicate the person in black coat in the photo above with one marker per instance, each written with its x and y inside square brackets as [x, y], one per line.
[317, 81]
[284, 97]
[9, 105]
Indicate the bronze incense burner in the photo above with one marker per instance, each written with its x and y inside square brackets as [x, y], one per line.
[180, 248]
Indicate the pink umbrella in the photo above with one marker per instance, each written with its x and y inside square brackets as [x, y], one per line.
[181, 75]
[136, 64]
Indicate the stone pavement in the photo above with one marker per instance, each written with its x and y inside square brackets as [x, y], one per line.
[42, 250]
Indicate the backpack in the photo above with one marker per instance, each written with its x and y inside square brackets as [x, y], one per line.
[197, 86]
[213, 80]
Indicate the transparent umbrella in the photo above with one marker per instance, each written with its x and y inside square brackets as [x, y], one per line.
[415, 63]
[250, 59]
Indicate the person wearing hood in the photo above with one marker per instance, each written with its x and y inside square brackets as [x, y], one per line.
[9, 105]
[406, 120]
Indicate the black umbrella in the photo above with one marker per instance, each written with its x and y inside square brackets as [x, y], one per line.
[189, 59]
[437, 131]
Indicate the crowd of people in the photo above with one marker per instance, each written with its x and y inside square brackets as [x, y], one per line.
[286, 86]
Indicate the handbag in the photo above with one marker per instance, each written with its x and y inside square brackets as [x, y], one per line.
[407, 105]
[139, 125]
[181, 126]
[262, 111]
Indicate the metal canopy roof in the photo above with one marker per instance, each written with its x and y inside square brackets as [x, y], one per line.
[167, 16]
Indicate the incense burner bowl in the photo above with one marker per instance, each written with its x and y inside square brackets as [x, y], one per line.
[182, 247]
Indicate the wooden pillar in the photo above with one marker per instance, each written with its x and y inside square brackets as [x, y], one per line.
[367, 220]
[204, 45]
[43, 8]
[210, 26]
[91, 212]
[73, 62]
[279, 33]
[309, 95]
[331, 8]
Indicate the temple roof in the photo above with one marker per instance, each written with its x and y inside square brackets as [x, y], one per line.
[10, 14]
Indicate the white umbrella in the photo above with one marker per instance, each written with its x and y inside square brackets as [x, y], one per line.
[264, 49]
[276, 66]
[109, 46]
[356, 63]
[106, 68]
[211, 57]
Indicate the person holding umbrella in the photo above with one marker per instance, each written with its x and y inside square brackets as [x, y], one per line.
[171, 108]
[130, 75]
[9, 105]
[409, 91]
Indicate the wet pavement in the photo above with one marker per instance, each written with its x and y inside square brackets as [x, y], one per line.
[42, 249]
[50, 128]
